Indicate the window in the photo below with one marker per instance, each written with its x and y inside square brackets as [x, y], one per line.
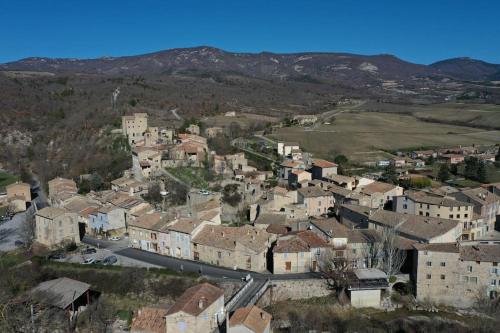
[465, 279]
[458, 216]
[442, 277]
[428, 276]
[494, 270]
[405, 206]
[438, 215]
[469, 269]
[420, 213]
[429, 264]
[318, 251]
[493, 282]
[451, 216]
[473, 280]
[219, 254]
[443, 264]
[466, 215]
[426, 213]
[428, 206]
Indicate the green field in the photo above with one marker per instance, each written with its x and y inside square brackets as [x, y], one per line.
[366, 136]
[6, 179]
[195, 177]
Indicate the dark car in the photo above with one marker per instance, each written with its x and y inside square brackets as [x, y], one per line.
[56, 256]
[109, 260]
[19, 243]
[89, 250]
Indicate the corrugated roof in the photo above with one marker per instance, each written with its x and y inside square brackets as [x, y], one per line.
[59, 292]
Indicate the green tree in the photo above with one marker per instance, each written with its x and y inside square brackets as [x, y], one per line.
[341, 159]
[481, 172]
[390, 175]
[444, 172]
[471, 167]
[454, 169]
[497, 156]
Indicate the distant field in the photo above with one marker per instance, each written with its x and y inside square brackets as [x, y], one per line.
[243, 119]
[480, 115]
[364, 136]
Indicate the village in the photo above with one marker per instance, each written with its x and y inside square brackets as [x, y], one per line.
[361, 235]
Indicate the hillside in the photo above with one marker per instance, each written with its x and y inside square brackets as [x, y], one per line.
[57, 112]
[468, 69]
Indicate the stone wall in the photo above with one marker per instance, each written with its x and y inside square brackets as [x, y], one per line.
[282, 290]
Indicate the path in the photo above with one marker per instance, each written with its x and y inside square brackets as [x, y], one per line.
[176, 115]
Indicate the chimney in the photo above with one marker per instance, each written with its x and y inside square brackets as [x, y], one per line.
[201, 303]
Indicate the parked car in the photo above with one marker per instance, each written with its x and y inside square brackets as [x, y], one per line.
[115, 238]
[204, 192]
[109, 260]
[89, 250]
[19, 243]
[89, 261]
[56, 256]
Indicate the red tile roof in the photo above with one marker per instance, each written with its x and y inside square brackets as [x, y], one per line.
[196, 299]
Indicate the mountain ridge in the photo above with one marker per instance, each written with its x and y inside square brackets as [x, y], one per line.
[320, 65]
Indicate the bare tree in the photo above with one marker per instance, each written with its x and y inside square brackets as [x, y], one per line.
[392, 257]
[484, 303]
[336, 270]
[27, 230]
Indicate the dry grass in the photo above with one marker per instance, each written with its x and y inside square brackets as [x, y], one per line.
[364, 136]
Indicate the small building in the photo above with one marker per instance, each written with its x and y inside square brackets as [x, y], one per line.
[322, 169]
[200, 309]
[61, 186]
[149, 233]
[212, 132]
[298, 252]
[250, 320]
[316, 201]
[22, 190]
[365, 287]
[299, 178]
[56, 226]
[193, 129]
[134, 127]
[285, 148]
[65, 294]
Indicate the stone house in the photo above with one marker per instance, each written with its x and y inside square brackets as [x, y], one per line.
[322, 168]
[365, 287]
[486, 205]
[316, 201]
[299, 178]
[379, 193]
[133, 127]
[106, 220]
[149, 232]
[193, 129]
[18, 189]
[299, 252]
[287, 167]
[285, 148]
[243, 247]
[340, 180]
[212, 132]
[199, 309]
[417, 228]
[433, 205]
[250, 320]
[61, 187]
[55, 226]
[457, 274]
[453, 158]
[182, 232]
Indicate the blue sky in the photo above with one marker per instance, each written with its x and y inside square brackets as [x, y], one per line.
[421, 31]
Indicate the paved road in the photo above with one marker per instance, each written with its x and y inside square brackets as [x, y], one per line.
[189, 265]
[248, 295]
[10, 231]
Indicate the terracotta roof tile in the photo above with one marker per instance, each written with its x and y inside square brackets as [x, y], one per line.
[189, 302]
[253, 318]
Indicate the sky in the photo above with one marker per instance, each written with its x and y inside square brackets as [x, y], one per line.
[422, 31]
